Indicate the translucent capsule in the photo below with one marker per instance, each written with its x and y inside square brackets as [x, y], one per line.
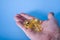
[33, 24]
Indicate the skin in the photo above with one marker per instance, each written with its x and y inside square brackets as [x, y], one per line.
[50, 31]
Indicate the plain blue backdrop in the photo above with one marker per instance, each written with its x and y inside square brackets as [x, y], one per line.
[37, 8]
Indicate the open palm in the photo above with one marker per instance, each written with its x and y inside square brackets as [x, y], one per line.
[50, 28]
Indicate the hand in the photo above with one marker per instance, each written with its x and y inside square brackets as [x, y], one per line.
[50, 28]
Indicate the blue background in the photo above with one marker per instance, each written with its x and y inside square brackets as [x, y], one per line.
[38, 8]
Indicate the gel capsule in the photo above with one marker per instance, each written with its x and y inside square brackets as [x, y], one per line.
[33, 24]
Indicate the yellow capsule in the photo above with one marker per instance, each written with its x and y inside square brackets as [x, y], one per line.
[26, 24]
[33, 24]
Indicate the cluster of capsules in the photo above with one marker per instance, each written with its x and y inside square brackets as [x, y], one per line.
[33, 24]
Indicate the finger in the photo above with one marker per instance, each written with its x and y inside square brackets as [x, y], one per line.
[51, 16]
[29, 17]
[21, 17]
[26, 16]
[27, 31]
[20, 23]
[18, 17]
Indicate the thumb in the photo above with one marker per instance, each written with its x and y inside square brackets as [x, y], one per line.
[51, 16]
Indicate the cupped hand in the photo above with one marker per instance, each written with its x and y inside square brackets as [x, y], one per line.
[50, 29]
